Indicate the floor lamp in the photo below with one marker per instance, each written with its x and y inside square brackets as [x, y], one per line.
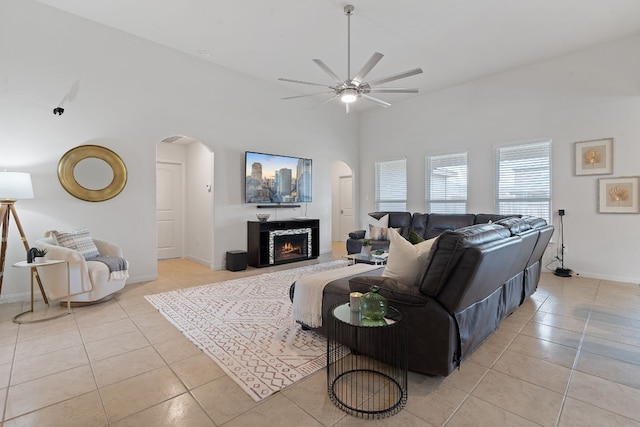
[562, 271]
[14, 186]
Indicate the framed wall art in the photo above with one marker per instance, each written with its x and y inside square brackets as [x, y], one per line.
[594, 157]
[619, 195]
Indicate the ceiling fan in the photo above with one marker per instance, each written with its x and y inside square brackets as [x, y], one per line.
[349, 90]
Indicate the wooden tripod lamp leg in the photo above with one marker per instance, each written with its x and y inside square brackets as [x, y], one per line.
[5, 211]
[26, 247]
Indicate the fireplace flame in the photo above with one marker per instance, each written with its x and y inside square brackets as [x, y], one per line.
[288, 248]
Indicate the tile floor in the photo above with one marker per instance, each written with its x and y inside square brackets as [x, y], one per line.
[570, 356]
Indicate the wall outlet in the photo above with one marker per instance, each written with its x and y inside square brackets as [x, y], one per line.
[561, 212]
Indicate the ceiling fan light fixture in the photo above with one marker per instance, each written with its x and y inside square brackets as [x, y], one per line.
[348, 91]
[349, 95]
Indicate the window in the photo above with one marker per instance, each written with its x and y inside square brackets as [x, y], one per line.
[446, 186]
[523, 179]
[391, 185]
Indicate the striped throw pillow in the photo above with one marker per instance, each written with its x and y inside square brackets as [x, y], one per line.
[79, 240]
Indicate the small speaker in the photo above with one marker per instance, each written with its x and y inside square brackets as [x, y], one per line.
[236, 260]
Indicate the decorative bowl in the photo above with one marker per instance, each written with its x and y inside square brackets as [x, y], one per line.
[263, 217]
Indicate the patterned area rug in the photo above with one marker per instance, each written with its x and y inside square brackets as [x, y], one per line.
[246, 326]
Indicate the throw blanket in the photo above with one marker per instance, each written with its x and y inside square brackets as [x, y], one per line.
[118, 267]
[307, 298]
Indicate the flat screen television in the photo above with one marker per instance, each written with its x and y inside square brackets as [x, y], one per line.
[271, 178]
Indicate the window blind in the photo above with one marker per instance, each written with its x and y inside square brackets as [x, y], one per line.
[523, 179]
[391, 185]
[446, 183]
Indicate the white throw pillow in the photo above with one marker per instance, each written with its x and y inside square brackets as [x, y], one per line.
[382, 223]
[406, 262]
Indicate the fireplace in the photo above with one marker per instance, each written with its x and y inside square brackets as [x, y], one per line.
[289, 245]
[279, 242]
[288, 248]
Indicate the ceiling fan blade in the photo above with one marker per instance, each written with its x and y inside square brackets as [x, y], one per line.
[375, 58]
[328, 70]
[376, 100]
[305, 95]
[302, 82]
[395, 77]
[393, 90]
[324, 102]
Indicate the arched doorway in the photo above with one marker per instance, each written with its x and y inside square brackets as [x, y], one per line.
[184, 199]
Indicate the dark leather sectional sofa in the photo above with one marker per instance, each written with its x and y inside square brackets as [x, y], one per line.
[476, 277]
[427, 226]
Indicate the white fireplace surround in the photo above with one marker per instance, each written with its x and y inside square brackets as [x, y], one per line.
[274, 233]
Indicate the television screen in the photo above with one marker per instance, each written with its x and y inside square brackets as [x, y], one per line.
[271, 178]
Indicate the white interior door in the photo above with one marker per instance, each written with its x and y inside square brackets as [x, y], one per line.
[346, 206]
[169, 204]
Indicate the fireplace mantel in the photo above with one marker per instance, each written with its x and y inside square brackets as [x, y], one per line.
[261, 237]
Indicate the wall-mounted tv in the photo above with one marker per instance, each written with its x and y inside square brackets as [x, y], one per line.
[271, 178]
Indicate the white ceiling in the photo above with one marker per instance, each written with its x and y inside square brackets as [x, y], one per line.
[453, 41]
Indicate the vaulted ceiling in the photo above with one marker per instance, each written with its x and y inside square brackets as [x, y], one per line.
[453, 41]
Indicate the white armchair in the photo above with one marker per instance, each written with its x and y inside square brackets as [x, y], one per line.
[89, 280]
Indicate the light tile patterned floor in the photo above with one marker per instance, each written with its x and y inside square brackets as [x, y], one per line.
[570, 356]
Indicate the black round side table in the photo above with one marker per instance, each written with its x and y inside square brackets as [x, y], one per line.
[367, 362]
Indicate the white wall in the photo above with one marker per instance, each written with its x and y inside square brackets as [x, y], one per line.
[200, 221]
[591, 94]
[127, 94]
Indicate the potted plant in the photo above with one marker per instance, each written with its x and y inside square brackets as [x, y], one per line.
[39, 255]
[366, 247]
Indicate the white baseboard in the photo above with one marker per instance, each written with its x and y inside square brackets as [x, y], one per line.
[622, 279]
[140, 279]
[22, 296]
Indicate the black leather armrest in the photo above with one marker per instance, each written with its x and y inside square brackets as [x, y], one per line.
[358, 234]
[391, 289]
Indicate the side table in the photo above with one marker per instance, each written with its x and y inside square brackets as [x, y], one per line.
[33, 266]
[371, 382]
[366, 259]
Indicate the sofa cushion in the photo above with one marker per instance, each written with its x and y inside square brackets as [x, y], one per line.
[535, 222]
[406, 261]
[489, 218]
[439, 223]
[78, 240]
[449, 248]
[358, 234]
[521, 224]
[401, 221]
[382, 222]
[419, 224]
[393, 290]
[515, 225]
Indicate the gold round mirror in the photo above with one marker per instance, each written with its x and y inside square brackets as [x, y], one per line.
[93, 166]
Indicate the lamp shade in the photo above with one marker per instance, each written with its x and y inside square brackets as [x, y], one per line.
[15, 186]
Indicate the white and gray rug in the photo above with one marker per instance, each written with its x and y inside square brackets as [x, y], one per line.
[246, 326]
